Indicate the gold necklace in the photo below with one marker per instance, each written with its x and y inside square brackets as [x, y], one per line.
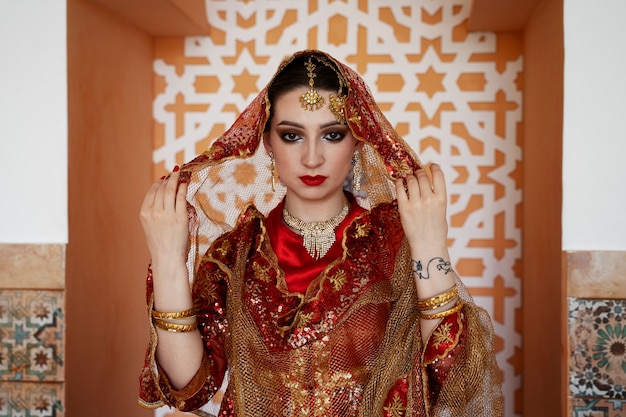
[317, 237]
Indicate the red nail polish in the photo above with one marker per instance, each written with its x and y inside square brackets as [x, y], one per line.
[163, 177]
[176, 168]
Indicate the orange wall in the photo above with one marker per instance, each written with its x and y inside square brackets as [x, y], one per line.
[543, 301]
[110, 167]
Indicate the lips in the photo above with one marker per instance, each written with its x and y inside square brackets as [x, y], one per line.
[313, 181]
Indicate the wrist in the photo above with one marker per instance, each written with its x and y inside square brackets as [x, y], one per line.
[170, 267]
[426, 268]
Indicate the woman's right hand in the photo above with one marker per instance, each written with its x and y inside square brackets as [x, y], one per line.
[164, 219]
[166, 226]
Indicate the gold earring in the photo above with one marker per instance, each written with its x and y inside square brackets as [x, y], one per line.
[311, 100]
[357, 170]
[273, 171]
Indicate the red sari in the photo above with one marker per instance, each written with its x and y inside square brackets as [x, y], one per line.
[319, 328]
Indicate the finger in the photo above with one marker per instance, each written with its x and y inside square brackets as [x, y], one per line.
[423, 181]
[170, 190]
[438, 179]
[148, 200]
[413, 185]
[159, 195]
[181, 197]
[401, 192]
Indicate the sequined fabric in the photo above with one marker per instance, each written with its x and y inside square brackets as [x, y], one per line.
[350, 345]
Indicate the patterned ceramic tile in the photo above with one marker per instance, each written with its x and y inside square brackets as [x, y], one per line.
[28, 399]
[31, 335]
[598, 407]
[597, 335]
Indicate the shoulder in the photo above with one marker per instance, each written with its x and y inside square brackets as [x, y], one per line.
[248, 225]
[383, 217]
[379, 227]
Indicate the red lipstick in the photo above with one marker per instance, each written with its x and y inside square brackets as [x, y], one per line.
[313, 181]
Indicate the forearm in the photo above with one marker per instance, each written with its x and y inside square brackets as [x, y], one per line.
[433, 275]
[179, 353]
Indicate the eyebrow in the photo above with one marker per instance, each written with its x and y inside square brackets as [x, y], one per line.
[323, 126]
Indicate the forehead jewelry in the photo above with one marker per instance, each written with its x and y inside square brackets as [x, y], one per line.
[337, 105]
[337, 102]
[311, 100]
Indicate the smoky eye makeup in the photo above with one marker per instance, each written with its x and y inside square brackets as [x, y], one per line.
[334, 136]
[289, 136]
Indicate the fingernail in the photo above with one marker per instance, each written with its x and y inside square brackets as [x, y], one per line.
[163, 177]
[176, 168]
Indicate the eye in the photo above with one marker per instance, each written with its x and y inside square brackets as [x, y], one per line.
[290, 137]
[334, 136]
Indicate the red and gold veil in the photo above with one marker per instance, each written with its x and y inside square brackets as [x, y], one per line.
[235, 170]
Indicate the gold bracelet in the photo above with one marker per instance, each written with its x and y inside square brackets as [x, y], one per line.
[439, 305]
[175, 315]
[174, 327]
[182, 320]
[443, 314]
[439, 299]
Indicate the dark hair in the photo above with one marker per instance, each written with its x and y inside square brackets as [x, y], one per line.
[295, 75]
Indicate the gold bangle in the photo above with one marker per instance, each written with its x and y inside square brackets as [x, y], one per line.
[439, 299]
[175, 315]
[439, 305]
[443, 314]
[183, 320]
[174, 327]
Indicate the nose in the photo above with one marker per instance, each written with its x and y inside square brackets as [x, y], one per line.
[313, 155]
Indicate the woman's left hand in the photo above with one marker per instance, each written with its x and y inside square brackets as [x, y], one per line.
[422, 206]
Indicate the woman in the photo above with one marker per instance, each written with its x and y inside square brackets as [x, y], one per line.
[339, 301]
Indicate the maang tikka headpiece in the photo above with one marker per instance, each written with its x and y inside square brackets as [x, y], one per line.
[311, 100]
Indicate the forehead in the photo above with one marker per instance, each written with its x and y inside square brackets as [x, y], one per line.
[287, 107]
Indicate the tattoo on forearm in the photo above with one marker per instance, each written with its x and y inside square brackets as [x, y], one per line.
[440, 263]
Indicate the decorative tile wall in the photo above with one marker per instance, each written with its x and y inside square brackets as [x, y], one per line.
[598, 407]
[596, 333]
[32, 399]
[31, 345]
[32, 331]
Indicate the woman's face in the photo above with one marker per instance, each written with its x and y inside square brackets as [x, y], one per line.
[312, 152]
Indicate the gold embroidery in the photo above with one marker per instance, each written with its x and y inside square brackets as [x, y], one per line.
[260, 272]
[224, 248]
[213, 150]
[396, 409]
[362, 230]
[442, 335]
[338, 280]
[356, 120]
[302, 319]
[211, 291]
[402, 168]
[320, 387]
